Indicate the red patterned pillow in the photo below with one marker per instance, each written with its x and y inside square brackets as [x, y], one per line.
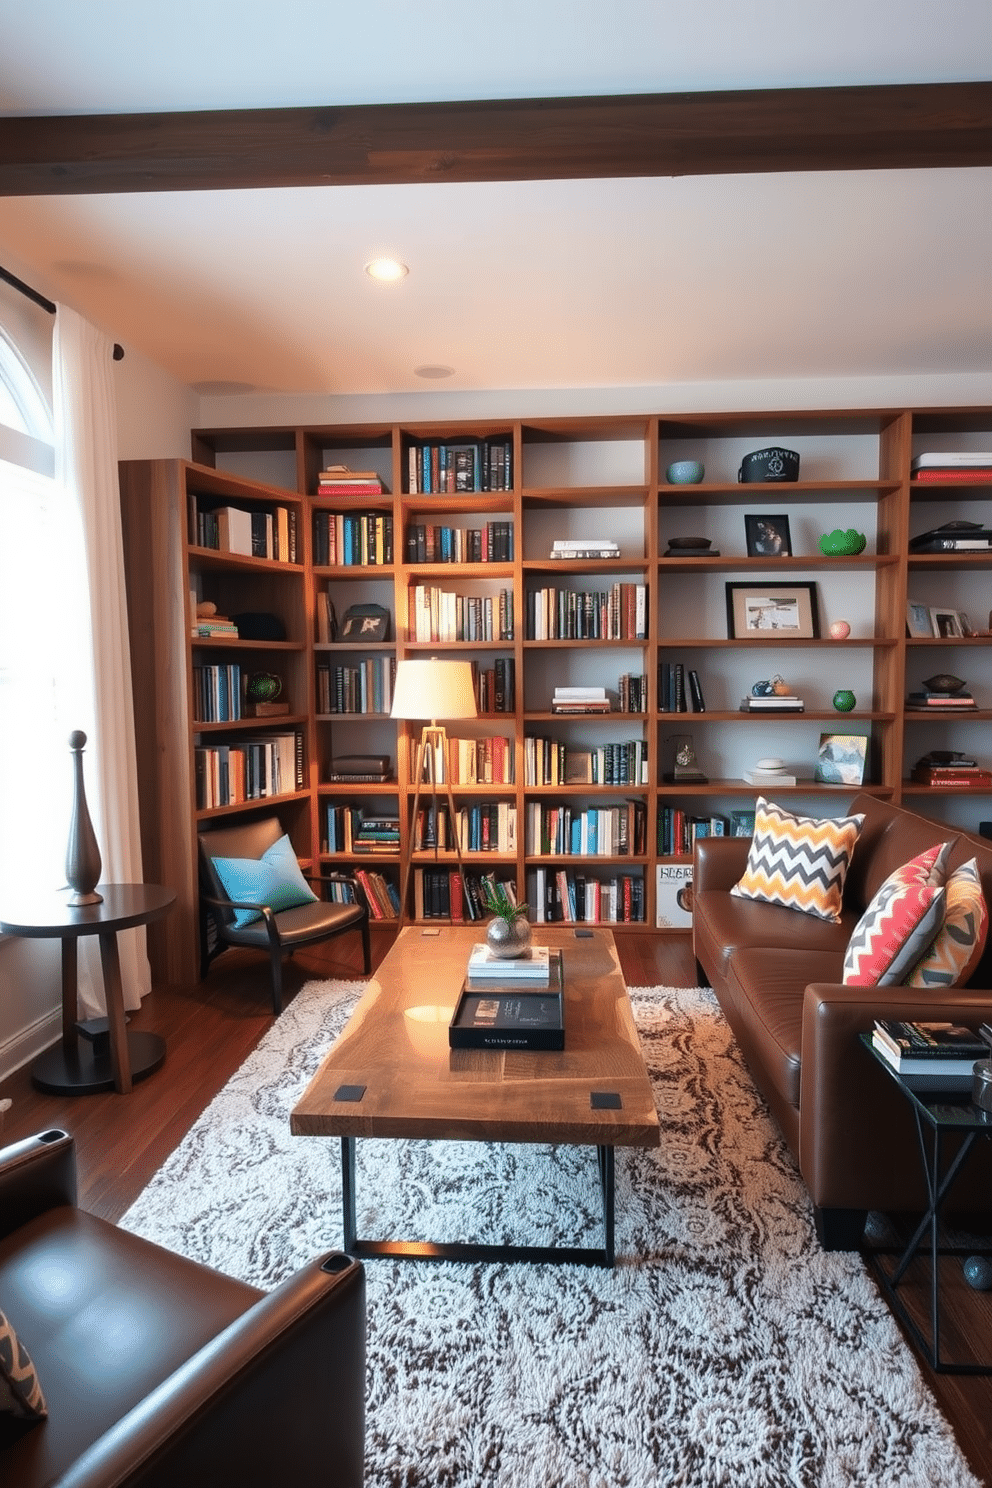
[900, 922]
[957, 950]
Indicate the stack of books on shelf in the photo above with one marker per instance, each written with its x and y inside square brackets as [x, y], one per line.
[375, 834]
[953, 537]
[930, 1056]
[615, 614]
[352, 539]
[338, 480]
[954, 770]
[532, 968]
[597, 831]
[443, 894]
[577, 898]
[247, 533]
[584, 547]
[768, 774]
[485, 761]
[432, 543]
[580, 700]
[464, 465]
[678, 830]
[439, 615]
[776, 703]
[213, 627]
[217, 693]
[948, 466]
[496, 686]
[931, 700]
[361, 687]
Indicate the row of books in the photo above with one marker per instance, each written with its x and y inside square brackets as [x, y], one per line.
[430, 543]
[579, 898]
[352, 539]
[217, 693]
[251, 533]
[551, 762]
[381, 894]
[435, 468]
[485, 761]
[956, 771]
[446, 894]
[596, 831]
[349, 829]
[437, 615]
[615, 614]
[496, 685]
[632, 692]
[359, 687]
[678, 830]
[677, 686]
[226, 774]
[488, 826]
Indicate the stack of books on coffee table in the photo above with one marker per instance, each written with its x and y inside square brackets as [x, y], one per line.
[510, 1003]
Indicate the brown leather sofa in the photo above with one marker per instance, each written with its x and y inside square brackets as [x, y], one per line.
[160, 1371]
[777, 975]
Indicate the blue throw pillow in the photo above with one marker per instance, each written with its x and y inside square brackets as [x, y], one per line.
[273, 879]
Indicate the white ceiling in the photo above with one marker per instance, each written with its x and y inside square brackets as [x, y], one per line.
[532, 285]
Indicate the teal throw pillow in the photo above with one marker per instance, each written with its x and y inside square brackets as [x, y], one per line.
[273, 879]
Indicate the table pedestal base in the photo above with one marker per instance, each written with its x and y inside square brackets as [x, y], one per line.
[88, 1068]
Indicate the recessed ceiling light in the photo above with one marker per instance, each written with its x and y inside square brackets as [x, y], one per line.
[386, 269]
[434, 370]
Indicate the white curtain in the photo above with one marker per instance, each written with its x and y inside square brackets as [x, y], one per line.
[97, 675]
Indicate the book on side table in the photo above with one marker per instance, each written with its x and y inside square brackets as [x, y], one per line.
[930, 1056]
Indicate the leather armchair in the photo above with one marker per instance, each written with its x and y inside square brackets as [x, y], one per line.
[159, 1371]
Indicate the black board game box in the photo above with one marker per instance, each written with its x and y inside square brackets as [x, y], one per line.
[503, 1016]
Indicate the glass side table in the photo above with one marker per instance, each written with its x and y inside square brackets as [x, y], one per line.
[941, 1116]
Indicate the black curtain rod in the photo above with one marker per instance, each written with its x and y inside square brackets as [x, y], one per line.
[39, 299]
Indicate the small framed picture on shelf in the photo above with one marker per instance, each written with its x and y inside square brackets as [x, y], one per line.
[779, 611]
[919, 626]
[841, 759]
[946, 623]
[742, 824]
[768, 536]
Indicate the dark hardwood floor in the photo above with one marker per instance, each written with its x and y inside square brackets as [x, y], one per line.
[212, 1027]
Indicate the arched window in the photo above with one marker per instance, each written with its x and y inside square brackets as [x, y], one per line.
[26, 427]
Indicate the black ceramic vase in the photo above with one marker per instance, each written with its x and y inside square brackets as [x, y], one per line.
[82, 857]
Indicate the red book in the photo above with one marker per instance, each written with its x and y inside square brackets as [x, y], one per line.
[973, 475]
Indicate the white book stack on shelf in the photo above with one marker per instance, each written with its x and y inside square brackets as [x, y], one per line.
[769, 772]
[580, 700]
[584, 547]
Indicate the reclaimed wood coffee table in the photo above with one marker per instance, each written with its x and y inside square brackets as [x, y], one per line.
[392, 1074]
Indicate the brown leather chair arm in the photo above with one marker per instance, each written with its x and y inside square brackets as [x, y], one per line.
[854, 1127]
[36, 1174]
[718, 862]
[277, 1397]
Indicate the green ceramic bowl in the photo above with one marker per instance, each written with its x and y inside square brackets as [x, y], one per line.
[839, 544]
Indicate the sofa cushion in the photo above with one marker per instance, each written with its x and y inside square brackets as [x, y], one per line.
[899, 924]
[273, 879]
[957, 950]
[22, 1400]
[799, 862]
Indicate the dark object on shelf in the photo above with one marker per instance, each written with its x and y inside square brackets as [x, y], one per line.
[259, 625]
[689, 542]
[767, 535]
[944, 682]
[360, 767]
[195, 1366]
[949, 533]
[706, 552]
[286, 930]
[365, 622]
[511, 1016]
[771, 465]
[977, 1272]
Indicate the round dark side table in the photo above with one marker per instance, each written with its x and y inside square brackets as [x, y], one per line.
[97, 1053]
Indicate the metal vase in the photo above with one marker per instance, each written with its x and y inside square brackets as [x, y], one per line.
[82, 857]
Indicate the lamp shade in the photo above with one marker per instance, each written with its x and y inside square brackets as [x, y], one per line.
[434, 689]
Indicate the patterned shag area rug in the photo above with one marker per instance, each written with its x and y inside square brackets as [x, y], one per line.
[725, 1348]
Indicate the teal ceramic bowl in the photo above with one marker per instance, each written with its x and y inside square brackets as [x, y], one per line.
[685, 472]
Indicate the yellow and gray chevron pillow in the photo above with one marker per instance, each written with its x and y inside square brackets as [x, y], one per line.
[960, 941]
[799, 862]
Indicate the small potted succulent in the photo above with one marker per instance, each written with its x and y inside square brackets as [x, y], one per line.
[508, 933]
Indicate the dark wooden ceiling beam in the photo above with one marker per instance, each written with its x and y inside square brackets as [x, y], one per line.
[675, 134]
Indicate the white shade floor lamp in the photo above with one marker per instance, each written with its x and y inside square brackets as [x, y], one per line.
[432, 689]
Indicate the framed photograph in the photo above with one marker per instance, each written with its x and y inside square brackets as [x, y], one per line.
[785, 611]
[742, 824]
[768, 536]
[918, 623]
[946, 623]
[840, 759]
